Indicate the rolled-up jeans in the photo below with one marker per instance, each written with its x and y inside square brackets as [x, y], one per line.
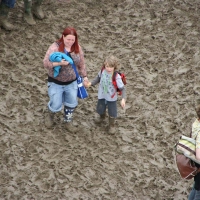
[62, 95]
[9, 3]
[194, 194]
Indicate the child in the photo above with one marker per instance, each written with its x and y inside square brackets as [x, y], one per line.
[107, 93]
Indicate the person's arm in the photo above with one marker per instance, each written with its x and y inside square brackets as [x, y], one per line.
[81, 66]
[123, 101]
[94, 82]
[198, 146]
[122, 88]
[46, 62]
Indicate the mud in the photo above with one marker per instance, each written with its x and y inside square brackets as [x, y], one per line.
[157, 42]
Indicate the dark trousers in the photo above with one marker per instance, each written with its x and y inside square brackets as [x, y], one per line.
[102, 104]
[9, 3]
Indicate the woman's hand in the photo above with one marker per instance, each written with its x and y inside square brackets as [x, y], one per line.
[85, 79]
[123, 103]
[86, 82]
[62, 62]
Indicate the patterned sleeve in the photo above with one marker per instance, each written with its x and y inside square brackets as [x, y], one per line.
[47, 63]
[198, 141]
[81, 66]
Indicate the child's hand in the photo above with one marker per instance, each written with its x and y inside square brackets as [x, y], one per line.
[64, 62]
[87, 83]
[123, 103]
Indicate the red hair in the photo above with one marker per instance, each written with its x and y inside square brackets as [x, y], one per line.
[75, 46]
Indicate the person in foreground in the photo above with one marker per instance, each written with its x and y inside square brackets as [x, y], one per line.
[195, 192]
[107, 93]
[62, 89]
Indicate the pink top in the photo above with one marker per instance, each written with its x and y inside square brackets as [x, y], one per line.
[67, 73]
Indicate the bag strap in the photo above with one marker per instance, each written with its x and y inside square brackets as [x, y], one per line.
[73, 65]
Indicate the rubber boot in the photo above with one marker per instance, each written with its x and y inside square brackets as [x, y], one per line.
[49, 119]
[37, 10]
[68, 117]
[100, 119]
[28, 16]
[4, 23]
[111, 127]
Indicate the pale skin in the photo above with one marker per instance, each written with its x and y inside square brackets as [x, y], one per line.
[110, 70]
[198, 154]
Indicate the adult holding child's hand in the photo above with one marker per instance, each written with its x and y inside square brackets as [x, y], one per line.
[86, 83]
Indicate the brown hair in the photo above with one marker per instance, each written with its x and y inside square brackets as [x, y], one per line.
[112, 61]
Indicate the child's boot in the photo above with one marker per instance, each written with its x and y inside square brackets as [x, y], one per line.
[100, 119]
[49, 119]
[68, 117]
[111, 127]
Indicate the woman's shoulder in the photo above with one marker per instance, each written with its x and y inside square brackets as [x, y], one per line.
[80, 48]
[54, 46]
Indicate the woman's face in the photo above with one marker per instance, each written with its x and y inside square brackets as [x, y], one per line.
[69, 40]
[109, 69]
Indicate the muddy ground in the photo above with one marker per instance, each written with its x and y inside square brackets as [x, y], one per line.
[158, 44]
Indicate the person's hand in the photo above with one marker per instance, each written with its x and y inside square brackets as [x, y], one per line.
[64, 62]
[123, 103]
[87, 83]
[85, 79]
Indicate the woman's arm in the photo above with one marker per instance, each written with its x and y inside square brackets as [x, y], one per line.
[46, 62]
[81, 64]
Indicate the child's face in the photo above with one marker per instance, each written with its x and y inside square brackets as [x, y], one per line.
[109, 69]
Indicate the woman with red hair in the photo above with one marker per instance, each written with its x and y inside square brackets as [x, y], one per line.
[62, 89]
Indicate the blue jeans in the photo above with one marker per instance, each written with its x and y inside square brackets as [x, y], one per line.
[194, 194]
[62, 95]
[9, 3]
